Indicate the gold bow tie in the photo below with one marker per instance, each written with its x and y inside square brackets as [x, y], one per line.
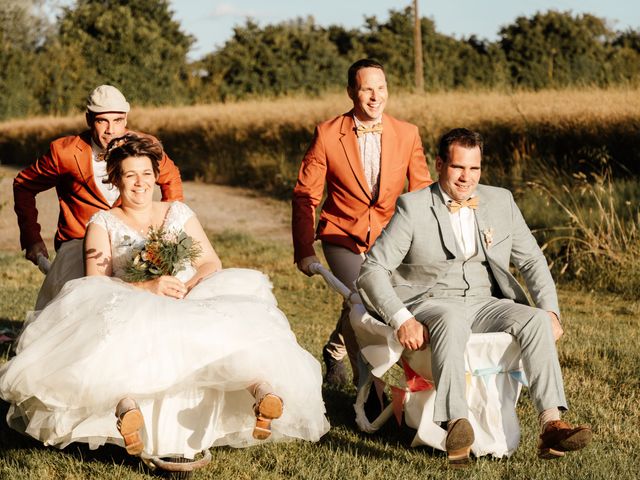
[455, 205]
[361, 129]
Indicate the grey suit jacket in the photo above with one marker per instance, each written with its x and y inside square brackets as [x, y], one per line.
[418, 246]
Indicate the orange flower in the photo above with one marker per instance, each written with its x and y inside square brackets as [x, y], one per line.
[152, 254]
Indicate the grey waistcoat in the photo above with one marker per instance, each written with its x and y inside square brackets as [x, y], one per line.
[471, 277]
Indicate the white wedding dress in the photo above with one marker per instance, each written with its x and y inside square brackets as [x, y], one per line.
[186, 362]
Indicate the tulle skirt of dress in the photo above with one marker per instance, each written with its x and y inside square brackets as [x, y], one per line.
[186, 362]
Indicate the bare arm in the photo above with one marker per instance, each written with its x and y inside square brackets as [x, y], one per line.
[208, 262]
[98, 261]
[97, 251]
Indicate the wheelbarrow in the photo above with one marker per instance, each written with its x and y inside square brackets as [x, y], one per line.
[494, 378]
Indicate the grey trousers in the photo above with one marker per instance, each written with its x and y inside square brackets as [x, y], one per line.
[451, 320]
[345, 265]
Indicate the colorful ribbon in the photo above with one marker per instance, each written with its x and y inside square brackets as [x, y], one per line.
[414, 382]
[485, 373]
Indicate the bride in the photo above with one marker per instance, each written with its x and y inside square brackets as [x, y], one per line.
[186, 362]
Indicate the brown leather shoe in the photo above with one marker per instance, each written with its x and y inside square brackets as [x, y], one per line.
[559, 437]
[268, 408]
[130, 423]
[460, 437]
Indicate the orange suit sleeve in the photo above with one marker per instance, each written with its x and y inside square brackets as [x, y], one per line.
[169, 180]
[307, 195]
[38, 177]
[417, 171]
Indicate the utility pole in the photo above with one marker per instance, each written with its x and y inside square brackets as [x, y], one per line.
[417, 49]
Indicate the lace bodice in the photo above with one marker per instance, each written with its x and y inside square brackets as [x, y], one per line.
[125, 240]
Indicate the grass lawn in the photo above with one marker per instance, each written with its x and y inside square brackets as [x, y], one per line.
[599, 355]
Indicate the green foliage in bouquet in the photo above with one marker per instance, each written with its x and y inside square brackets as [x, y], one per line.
[163, 253]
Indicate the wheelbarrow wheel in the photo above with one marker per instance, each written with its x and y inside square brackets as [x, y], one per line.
[177, 467]
[180, 475]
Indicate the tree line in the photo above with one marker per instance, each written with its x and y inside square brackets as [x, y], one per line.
[49, 66]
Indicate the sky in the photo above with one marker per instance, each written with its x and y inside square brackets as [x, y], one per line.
[211, 22]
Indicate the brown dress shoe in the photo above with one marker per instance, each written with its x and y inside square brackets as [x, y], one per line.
[130, 423]
[268, 408]
[559, 437]
[460, 437]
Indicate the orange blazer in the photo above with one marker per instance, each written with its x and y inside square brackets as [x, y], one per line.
[67, 166]
[349, 216]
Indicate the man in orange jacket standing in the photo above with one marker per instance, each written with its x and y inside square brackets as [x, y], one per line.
[363, 157]
[74, 165]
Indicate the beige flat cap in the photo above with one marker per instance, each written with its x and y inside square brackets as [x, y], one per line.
[106, 98]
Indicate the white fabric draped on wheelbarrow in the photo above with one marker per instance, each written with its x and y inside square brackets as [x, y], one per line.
[494, 378]
[493, 373]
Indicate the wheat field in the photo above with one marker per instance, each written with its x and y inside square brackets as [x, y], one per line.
[589, 109]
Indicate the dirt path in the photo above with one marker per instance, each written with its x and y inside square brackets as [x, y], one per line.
[218, 207]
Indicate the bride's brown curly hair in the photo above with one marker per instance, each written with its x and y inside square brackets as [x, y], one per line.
[131, 145]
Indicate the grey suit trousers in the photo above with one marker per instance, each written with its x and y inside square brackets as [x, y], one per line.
[452, 319]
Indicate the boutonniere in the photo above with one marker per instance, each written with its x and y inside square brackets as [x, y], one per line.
[488, 236]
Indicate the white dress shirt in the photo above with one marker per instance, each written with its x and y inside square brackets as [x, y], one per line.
[109, 192]
[463, 223]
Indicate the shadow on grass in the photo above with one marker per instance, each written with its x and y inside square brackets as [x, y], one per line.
[341, 414]
[11, 440]
[344, 436]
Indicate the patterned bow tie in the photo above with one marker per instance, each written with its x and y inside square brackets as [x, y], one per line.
[455, 205]
[361, 129]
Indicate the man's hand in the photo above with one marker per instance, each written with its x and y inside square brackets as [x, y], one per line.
[413, 335]
[303, 265]
[556, 328]
[34, 250]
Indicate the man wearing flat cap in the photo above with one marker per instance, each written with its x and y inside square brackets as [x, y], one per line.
[74, 165]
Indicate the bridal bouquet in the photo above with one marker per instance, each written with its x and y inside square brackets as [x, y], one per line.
[163, 253]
